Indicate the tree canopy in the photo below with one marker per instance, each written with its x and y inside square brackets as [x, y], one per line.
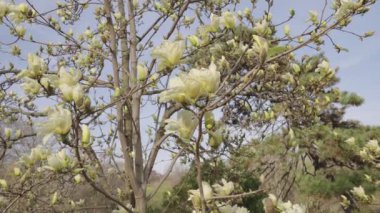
[94, 93]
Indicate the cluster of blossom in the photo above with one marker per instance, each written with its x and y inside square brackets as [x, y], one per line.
[9, 134]
[16, 12]
[345, 7]
[42, 160]
[187, 88]
[325, 69]
[36, 76]
[186, 123]
[286, 207]
[359, 194]
[39, 155]
[223, 189]
[55, 198]
[370, 152]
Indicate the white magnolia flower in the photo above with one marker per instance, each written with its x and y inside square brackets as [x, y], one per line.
[30, 86]
[208, 78]
[373, 146]
[350, 141]
[228, 20]
[365, 155]
[20, 31]
[214, 25]
[195, 196]
[59, 162]
[286, 207]
[225, 189]
[241, 210]
[4, 9]
[187, 88]
[38, 153]
[273, 198]
[324, 68]
[232, 209]
[359, 193]
[345, 202]
[181, 89]
[69, 85]
[59, 122]
[169, 54]
[261, 47]
[262, 28]
[346, 7]
[183, 126]
[36, 67]
[18, 12]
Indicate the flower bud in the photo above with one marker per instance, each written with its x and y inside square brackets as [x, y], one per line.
[214, 25]
[7, 133]
[54, 198]
[215, 138]
[313, 17]
[23, 8]
[117, 92]
[296, 68]
[86, 135]
[78, 94]
[209, 120]
[228, 20]
[194, 40]
[261, 47]
[142, 72]
[15, 51]
[3, 184]
[18, 134]
[16, 171]
[287, 30]
[20, 31]
[78, 179]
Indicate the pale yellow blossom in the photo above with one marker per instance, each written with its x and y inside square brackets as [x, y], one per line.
[59, 122]
[168, 54]
[183, 126]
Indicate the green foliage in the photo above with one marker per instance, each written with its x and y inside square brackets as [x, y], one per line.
[176, 200]
[351, 99]
[343, 181]
[275, 50]
[248, 182]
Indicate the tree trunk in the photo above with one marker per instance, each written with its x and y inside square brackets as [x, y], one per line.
[141, 203]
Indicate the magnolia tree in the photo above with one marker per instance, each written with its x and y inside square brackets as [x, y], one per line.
[108, 86]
